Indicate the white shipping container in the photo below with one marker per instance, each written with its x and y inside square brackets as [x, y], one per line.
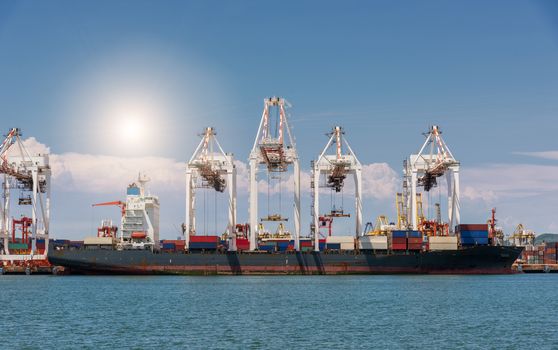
[98, 241]
[347, 246]
[442, 239]
[442, 246]
[340, 239]
[373, 242]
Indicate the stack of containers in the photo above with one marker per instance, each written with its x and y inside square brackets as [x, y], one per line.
[473, 234]
[40, 246]
[204, 242]
[550, 253]
[414, 240]
[340, 243]
[306, 245]
[398, 240]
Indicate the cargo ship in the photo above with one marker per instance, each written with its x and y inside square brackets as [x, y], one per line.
[137, 250]
[472, 260]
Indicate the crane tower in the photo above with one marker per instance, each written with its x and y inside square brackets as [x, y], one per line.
[208, 168]
[30, 175]
[433, 161]
[277, 153]
[336, 167]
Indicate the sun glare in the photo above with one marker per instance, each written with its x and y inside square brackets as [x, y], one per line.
[131, 129]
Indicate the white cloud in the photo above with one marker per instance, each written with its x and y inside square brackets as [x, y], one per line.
[545, 154]
[499, 181]
[104, 174]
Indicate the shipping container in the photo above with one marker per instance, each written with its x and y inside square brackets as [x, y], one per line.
[442, 243]
[414, 240]
[399, 246]
[340, 239]
[98, 241]
[267, 248]
[203, 245]
[414, 246]
[474, 234]
[399, 241]
[204, 239]
[18, 246]
[472, 227]
[399, 234]
[335, 246]
[373, 243]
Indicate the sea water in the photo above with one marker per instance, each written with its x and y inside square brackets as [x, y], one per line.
[279, 312]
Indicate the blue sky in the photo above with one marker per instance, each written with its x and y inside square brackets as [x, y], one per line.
[485, 71]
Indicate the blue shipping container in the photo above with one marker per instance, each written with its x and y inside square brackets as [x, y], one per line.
[203, 245]
[399, 234]
[333, 246]
[405, 234]
[473, 241]
[267, 248]
[169, 246]
[474, 234]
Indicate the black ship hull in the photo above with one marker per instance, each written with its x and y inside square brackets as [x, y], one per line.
[474, 260]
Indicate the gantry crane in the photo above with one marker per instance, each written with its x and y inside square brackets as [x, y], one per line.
[277, 153]
[336, 167]
[208, 168]
[433, 161]
[30, 174]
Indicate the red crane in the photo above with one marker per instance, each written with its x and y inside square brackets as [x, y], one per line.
[120, 204]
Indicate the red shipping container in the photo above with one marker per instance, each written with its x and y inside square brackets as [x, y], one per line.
[322, 241]
[399, 240]
[306, 243]
[399, 246]
[414, 240]
[414, 246]
[472, 227]
[204, 239]
[242, 244]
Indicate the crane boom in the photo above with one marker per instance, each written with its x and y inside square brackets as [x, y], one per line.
[120, 204]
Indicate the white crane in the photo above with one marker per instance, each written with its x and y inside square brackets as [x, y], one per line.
[31, 175]
[271, 149]
[432, 161]
[206, 169]
[336, 167]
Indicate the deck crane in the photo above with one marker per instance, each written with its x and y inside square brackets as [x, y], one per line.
[336, 167]
[31, 175]
[277, 153]
[210, 167]
[119, 204]
[433, 161]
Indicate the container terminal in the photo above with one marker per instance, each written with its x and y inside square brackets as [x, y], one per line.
[413, 243]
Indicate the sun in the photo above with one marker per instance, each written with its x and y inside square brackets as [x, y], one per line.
[132, 129]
